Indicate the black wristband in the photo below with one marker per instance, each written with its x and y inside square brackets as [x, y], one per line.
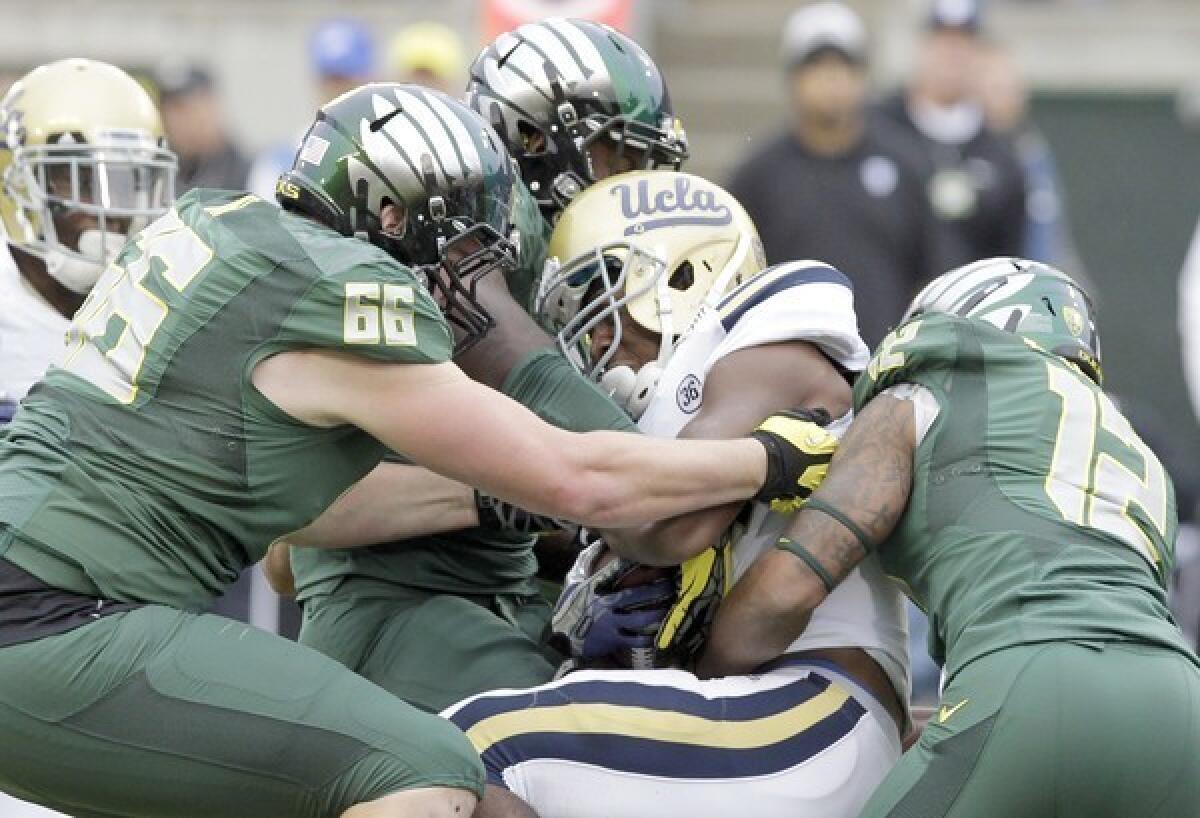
[772, 488]
[817, 504]
[814, 565]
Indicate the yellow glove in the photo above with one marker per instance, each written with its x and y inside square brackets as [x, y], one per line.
[799, 450]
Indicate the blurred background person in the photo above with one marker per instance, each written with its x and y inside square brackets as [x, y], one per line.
[1004, 95]
[978, 188]
[195, 126]
[341, 53]
[430, 54]
[836, 185]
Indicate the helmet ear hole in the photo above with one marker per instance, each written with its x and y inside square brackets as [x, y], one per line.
[683, 278]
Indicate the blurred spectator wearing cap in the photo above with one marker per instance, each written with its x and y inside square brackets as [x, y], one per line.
[429, 54]
[837, 186]
[1002, 92]
[195, 128]
[341, 51]
[978, 188]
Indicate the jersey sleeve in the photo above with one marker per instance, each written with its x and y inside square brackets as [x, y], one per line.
[923, 351]
[799, 301]
[375, 310]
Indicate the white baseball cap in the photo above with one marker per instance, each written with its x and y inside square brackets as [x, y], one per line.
[820, 26]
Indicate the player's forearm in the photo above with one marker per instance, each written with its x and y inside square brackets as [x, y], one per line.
[626, 480]
[394, 502]
[672, 541]
[764, 613]
[869, 482]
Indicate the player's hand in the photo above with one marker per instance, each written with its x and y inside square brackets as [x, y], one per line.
[799, 450]
[599, 616]
[502, 515]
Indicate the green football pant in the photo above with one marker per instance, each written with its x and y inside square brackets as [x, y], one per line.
[1059, 730]
[165, 714]
[430, 649]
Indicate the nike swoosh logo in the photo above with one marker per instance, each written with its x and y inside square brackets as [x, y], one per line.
[946, 712]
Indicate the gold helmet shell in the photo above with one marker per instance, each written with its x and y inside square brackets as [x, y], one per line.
[658, 244]
[80, 135]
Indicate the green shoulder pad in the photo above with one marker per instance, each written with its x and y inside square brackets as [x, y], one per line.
[379, 310]
[923, 350]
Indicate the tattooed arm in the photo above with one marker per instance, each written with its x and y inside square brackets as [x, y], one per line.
[869, 481]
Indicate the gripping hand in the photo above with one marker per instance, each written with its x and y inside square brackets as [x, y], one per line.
[799, 450]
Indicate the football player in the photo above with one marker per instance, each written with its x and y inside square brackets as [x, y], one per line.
[814, 733]
[575, 101]
[83, 163]
[437, 618]
[993, 475]
[235, 369]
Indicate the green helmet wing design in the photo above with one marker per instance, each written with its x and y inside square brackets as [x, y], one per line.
[553, 88]
[1039, 303]
[427, 153]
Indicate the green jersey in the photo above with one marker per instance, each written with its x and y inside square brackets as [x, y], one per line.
[1036, 514]
[476, 561]
[148, 468]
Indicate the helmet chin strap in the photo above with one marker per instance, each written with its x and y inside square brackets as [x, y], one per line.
[77, 274]
[631, 390]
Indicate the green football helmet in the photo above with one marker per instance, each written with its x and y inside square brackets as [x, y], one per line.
[553, 88]
[432, 156]
[1039, 303]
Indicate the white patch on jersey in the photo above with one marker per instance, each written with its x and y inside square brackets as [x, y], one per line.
[689, 394]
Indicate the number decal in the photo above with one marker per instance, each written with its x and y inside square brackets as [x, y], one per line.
[1097, 490]
[376, 313]
[108, 338]
[889, 357]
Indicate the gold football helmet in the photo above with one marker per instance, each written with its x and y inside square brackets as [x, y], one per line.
[83, 164]
[658, 245]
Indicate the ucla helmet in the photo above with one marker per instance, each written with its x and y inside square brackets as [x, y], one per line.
[658, 245]
[1039, 303]
[80, 138]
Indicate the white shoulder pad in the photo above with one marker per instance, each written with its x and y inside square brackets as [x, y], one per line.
[798, 301]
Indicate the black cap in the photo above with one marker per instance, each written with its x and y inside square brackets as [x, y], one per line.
[179, 79]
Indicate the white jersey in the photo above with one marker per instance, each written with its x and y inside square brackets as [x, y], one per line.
[32, 333]
[797, 738]
[800, 301]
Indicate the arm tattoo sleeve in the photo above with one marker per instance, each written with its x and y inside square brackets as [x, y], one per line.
[869, 481]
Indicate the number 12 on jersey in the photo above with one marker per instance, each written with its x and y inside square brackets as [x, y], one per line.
[1094, 482]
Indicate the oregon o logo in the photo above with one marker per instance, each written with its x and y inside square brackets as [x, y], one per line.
[688, 395]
